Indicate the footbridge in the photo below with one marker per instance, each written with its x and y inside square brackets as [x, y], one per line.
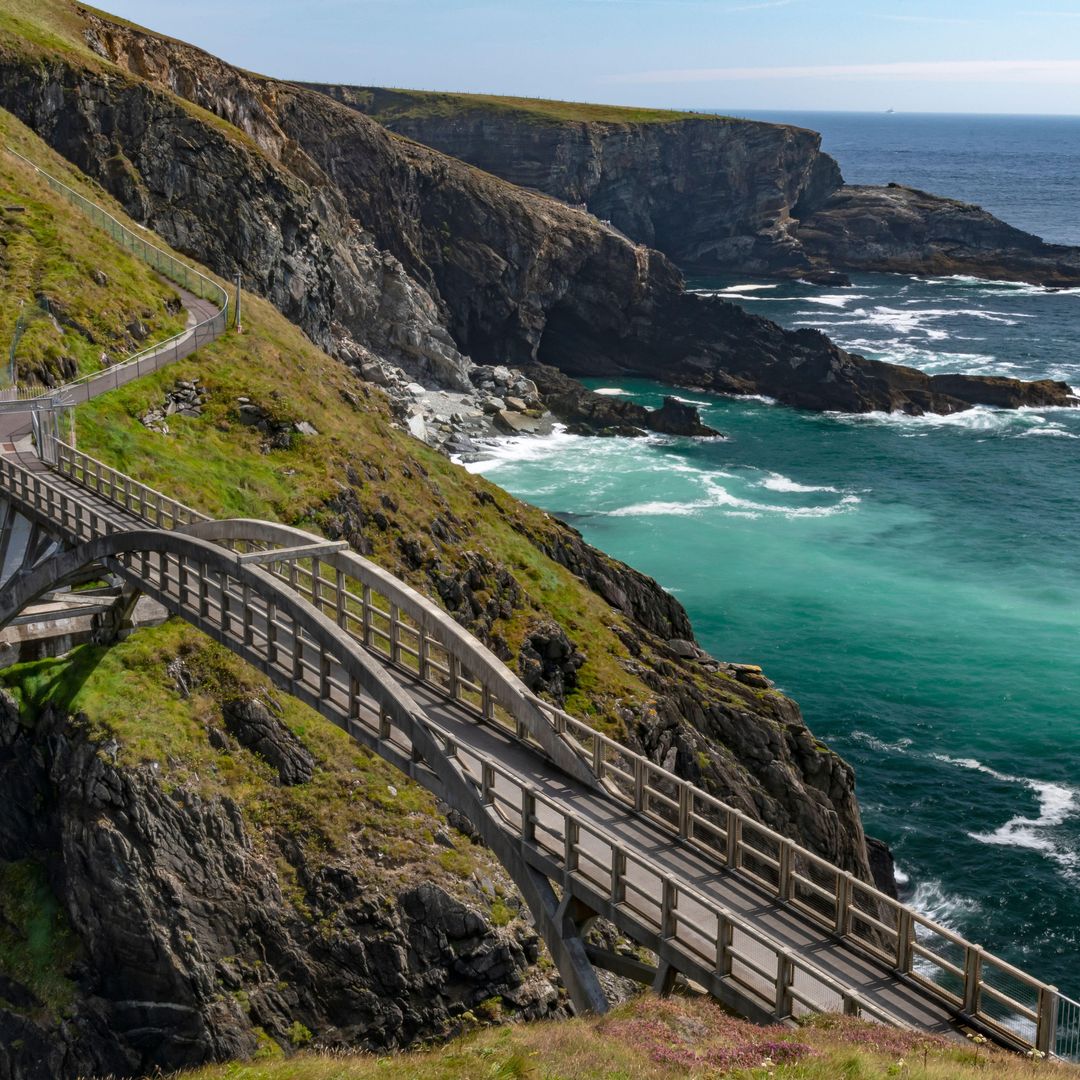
[585, 827]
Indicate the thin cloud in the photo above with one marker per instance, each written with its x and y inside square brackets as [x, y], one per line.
[927, 19]
[1054, 72]
[705, 5]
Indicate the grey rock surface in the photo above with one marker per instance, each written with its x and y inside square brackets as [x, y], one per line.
[189, 944]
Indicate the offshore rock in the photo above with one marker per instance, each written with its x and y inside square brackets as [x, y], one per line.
[882, 866]
[676, 417]
[902, 230]
[588, 413]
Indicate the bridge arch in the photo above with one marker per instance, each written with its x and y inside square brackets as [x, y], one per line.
[278, 633]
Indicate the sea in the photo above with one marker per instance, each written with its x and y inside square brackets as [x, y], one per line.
[914, 583]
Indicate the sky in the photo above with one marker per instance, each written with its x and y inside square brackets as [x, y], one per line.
[993, 56]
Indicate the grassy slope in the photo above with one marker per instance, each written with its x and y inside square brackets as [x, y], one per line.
[669, 1039]
[46, 251]
[42, 29]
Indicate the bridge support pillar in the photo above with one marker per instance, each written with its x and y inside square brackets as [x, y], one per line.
[560, 924]
[664, 981]
[117, 621]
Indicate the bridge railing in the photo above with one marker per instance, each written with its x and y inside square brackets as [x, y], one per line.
[154, 356]
[976, 983]
[389, 618]
[709, 941]
[378, 610]
[144, 502]
[714, 942]
[32, 491]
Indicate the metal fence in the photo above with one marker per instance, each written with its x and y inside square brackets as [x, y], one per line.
[147, 359]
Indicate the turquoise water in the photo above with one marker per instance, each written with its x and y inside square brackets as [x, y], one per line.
[913, 583]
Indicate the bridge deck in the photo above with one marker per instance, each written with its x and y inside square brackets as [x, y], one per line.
[895, 994]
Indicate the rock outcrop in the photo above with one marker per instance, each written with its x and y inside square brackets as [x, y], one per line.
[372, 242]
[720, 194]
[196, 941]
[898, 229]
[588, 413]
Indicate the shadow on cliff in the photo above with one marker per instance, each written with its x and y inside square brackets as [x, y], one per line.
[55, 681]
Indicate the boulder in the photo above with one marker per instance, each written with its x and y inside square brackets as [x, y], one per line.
[512, 423]
[253, 725]
[676, 417]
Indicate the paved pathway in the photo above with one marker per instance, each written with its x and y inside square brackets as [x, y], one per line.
[16, 425]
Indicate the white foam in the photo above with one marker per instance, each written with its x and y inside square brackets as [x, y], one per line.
[611, 391]
[1058, 432]
[1057, 803]
[718, 497]
[777, 482]
[946, 909]
[747, 288]
[990, 287]
[512, 449]
[761, 399]
[880, 745]
[667, 509]
[834, 299]
[982, 419]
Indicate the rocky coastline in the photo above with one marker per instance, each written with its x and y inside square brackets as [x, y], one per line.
[466, 307]
[387, 252]
[719, 194]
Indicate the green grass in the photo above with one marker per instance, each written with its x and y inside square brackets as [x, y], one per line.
[390, 104]
[37, 947]
[355, 804]
[49, 257]
[662, 1040]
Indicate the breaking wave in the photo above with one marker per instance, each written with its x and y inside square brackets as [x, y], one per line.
[1057, 804]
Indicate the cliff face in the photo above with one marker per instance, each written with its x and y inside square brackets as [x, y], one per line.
[186, 926]
[721, 195]
[707, 192]
[372, 242]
